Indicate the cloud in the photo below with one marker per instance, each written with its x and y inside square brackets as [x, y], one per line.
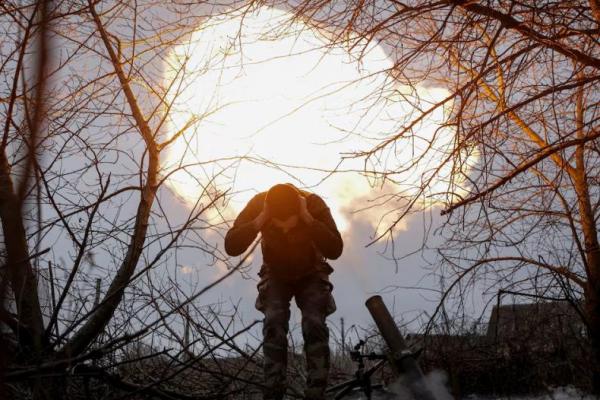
[287, 108]
[291, 110]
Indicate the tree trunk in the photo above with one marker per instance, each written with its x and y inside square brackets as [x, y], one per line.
[19, 269]
[592, 248]
[592, 311]
[100, 318]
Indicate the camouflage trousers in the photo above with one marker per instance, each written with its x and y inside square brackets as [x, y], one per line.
[314, 299]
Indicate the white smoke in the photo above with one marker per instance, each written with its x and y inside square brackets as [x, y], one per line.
[435, 382]
[558, 393]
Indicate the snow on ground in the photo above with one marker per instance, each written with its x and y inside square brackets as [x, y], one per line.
[436, 381]
[561, 393]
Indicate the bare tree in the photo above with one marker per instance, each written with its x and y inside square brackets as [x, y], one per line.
[85, 112]
[87, 234]
[522, 81]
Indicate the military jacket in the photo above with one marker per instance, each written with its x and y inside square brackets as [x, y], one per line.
[293, 254]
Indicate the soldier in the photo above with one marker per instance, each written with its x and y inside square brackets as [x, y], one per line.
[298, 234]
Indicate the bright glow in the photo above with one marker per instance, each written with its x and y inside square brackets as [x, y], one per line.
[282, 97]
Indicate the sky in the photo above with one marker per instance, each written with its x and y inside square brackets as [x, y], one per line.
[278, 106]
[271, 105]
[284, 99]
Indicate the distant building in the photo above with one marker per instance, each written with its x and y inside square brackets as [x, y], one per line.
[524, 349]
[535, 325]
[549, 318]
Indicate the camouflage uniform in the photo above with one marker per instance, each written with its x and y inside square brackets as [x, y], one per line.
[293, 266]
[314, 299]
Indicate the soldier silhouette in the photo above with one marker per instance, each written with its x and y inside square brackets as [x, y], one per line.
[298, 235]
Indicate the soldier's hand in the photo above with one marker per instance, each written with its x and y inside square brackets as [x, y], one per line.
[305, 215]
[262, 218]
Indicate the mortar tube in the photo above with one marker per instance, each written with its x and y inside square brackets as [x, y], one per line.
[402, 360]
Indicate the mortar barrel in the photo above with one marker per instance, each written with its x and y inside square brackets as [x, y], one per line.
[403, 361]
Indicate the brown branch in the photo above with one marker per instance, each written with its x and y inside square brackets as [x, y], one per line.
[555, 269]
[509, 22]
[150, 266]
[77, 263]
[523, 167]
[96, 323]
[595, 7]
[15, 84]
[586, 215]
[512, 114]
[118, 382]
[20, 271]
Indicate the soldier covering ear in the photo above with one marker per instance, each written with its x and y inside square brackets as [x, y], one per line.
[298, 235]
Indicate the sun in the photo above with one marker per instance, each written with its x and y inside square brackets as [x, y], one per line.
[259, 100]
